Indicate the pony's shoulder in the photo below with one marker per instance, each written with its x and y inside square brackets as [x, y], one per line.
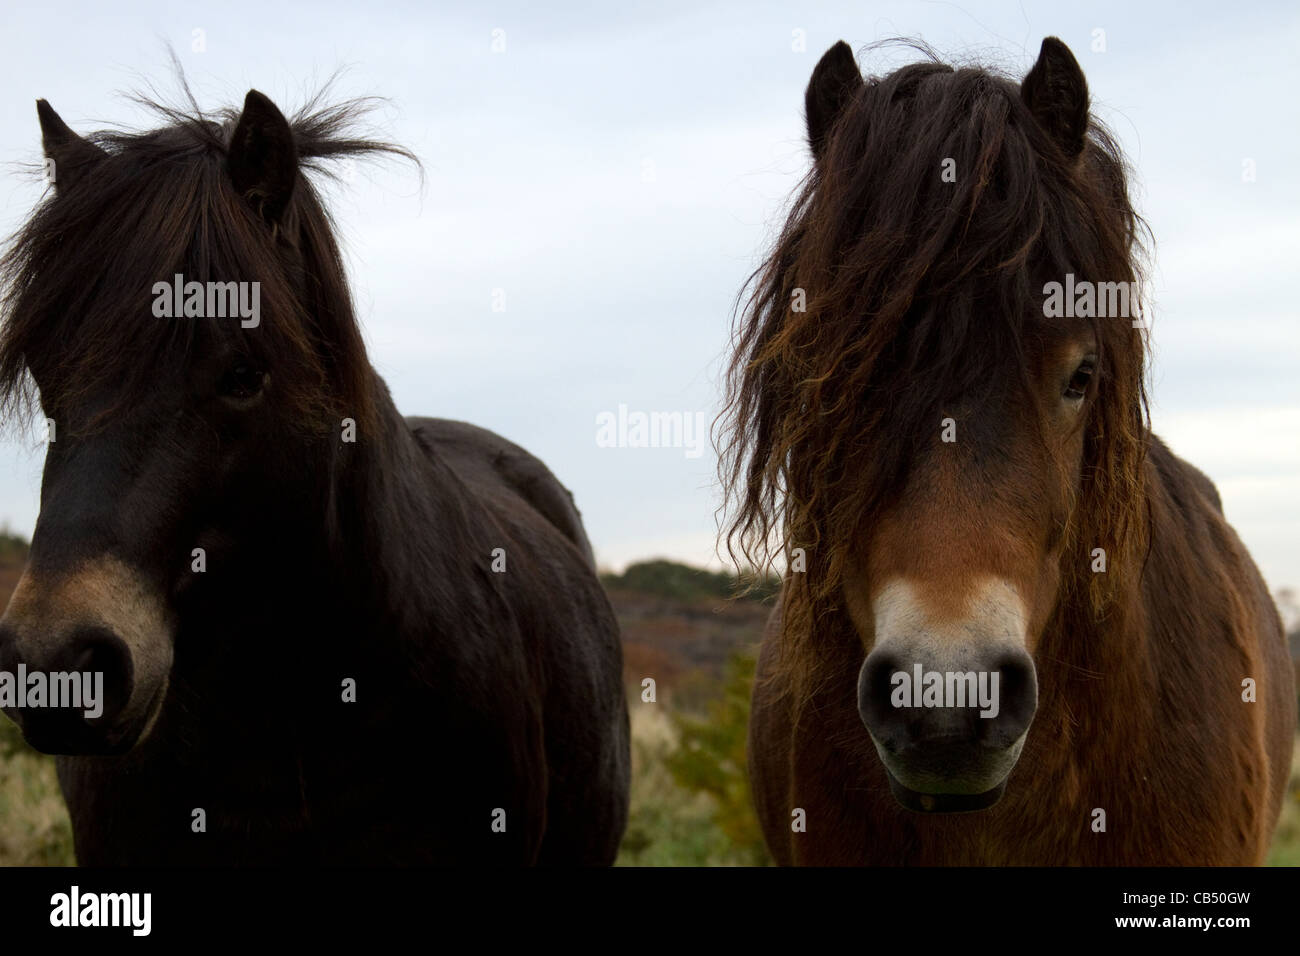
[481, 456]
[1181, 477]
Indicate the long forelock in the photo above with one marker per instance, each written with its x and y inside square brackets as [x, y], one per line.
[912, 286]
[77, 278]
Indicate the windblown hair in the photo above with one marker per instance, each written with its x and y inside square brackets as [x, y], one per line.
[77, 278]
[914, 287]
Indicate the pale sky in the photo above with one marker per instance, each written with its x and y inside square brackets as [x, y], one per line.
[613, 178]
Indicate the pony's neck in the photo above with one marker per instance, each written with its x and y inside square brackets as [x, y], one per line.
[1093, 673]
[358, 577]
[400, 528]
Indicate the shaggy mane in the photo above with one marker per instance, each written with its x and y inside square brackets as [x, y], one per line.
[76, 279]
[913, 288]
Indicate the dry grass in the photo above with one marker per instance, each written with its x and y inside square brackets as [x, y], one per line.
[34, 825]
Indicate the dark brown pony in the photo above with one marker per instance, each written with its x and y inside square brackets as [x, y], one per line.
[326, 633]
[959, 474]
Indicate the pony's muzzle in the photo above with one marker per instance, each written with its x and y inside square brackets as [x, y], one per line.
[69, 699]
[84, 659]
[948, 722]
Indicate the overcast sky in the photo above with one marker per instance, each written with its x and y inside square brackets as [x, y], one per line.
[612, 178]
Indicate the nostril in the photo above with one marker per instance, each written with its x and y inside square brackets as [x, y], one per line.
[1018, 693]
[98, 651]
[992, 705]
[1018, 677]
[886, 722]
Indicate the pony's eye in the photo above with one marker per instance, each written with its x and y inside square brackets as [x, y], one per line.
[1078, 386]
[242, 382]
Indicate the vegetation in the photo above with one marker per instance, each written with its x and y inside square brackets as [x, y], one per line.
[683, 583]
[669, 825]
[711, 759]
[691, 802]
[1285, 850]
[13, 549]
[34, 825]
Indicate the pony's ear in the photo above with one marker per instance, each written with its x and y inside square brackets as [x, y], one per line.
[262, 158]
[1057, 95]
[835, 80]
[69, 153]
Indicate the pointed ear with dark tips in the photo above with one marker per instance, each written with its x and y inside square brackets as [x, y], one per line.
[1057, 95]
[835, 80]
[68, 153]
[262, 158]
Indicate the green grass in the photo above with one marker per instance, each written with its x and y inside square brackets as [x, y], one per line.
[683, 583]
[669, 824]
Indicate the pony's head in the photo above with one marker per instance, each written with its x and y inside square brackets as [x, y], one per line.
[946, 449]
[178, 307]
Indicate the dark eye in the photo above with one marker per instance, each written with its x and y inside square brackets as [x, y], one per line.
[242, 382]
[1078, 386]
